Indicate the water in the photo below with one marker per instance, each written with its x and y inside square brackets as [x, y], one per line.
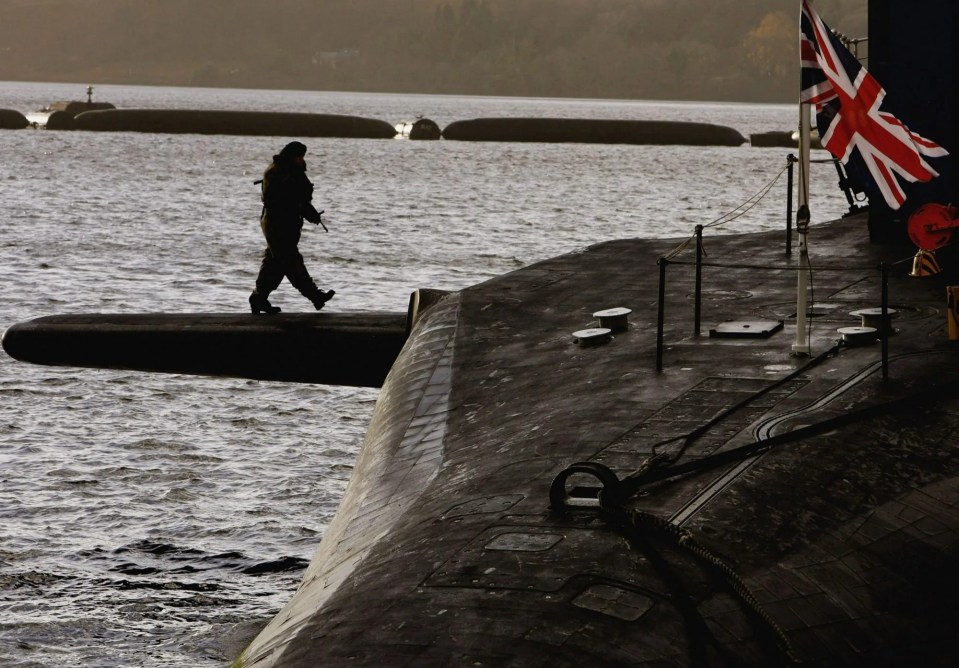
[161, 520]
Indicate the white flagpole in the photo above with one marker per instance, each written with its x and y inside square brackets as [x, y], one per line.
[801, 346]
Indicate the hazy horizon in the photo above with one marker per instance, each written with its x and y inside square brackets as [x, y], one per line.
[695, 50]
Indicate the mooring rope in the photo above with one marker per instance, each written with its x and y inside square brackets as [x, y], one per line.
[634, 521]
[639, 528]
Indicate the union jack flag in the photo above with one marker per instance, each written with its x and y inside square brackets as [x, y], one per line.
[847, 100]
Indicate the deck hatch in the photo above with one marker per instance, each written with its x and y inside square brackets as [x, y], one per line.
[530, 558]
[524, 542]
[746, 329]
[614, 602]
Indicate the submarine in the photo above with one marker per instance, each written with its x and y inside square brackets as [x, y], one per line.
[564, 467]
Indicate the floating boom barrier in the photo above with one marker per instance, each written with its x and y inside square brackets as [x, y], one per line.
[103, 117]
[10, 119]
[593, 131]
[251, 123]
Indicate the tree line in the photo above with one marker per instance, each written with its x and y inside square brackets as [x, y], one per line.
[635, 49]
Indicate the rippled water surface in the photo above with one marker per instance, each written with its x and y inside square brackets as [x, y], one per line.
[161, 520]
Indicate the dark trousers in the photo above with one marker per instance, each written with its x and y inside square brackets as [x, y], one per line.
[282, 258]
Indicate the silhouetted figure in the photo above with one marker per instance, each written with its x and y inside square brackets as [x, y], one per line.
[287, 201]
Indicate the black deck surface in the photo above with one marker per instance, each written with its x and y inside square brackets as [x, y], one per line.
[833, 544]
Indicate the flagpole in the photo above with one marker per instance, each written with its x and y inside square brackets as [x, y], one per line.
[801, 346]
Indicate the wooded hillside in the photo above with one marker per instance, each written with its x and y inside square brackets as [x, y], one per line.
[639, 49]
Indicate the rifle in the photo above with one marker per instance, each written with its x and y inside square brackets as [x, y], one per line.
[319, 221]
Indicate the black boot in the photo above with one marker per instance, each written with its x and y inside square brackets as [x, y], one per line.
[260, 304]
[322, 297]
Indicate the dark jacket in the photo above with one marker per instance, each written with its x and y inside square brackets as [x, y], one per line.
[287, 196]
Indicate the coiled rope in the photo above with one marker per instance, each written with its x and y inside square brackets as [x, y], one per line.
[638, 527]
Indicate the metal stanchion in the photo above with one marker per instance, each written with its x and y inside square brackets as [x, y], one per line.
[662, 313]
[699, 280]
[801, 346]
[790, 161]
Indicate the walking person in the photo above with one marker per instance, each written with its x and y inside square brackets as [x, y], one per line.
[287, 201]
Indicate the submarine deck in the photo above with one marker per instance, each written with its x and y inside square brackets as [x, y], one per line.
[764, 508]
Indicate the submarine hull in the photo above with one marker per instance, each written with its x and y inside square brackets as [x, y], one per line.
[802, 510]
